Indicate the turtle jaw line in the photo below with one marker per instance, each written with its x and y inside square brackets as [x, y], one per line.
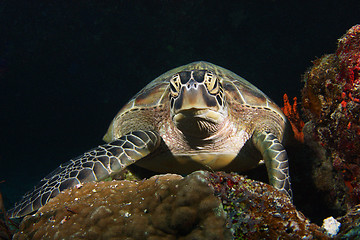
[198, 123]
[192, 112]
[198, 114]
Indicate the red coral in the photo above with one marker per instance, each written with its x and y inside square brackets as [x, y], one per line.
[348, 53]
[292, 114]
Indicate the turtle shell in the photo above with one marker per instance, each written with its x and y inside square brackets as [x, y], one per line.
[238, 92]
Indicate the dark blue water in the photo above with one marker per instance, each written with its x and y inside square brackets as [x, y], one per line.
[66, 68]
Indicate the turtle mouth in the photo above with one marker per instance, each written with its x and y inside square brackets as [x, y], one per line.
[198, 122]
[191, 112]
[197, 114]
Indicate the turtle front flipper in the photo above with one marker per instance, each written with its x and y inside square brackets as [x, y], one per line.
[276, 160]
[94, 165]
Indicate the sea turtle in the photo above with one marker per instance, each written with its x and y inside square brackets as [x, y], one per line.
[197, 116]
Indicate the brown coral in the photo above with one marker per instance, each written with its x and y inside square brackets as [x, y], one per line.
[320, 90]
[162, 207]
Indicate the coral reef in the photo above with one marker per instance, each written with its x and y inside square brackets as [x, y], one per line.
[256, 210]
[202, 205]
[162, 207]
[331, 103]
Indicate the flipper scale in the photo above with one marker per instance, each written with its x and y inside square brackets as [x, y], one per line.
[276, 160]
[94, 165]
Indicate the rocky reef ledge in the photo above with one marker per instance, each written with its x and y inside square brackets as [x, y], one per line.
[202, 205]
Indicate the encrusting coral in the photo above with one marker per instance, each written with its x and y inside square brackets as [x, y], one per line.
[256, 210]
[330, 101]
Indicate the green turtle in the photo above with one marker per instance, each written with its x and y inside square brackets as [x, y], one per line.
[197, 116]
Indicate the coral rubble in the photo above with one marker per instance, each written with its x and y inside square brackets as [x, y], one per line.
[331, 225]
[331, 103]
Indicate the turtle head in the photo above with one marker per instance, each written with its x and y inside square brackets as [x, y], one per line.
[197, 103]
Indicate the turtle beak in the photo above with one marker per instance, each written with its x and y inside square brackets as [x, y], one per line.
[193, 97]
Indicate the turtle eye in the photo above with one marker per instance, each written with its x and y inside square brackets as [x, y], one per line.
[175, 83]
[212, 83]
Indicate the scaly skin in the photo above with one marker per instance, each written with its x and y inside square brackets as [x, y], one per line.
[276, 160]
[95, 165]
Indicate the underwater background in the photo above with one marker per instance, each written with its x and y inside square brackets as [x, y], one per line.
[67, 67]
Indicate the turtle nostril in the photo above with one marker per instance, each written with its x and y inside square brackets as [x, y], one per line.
[191, 84]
